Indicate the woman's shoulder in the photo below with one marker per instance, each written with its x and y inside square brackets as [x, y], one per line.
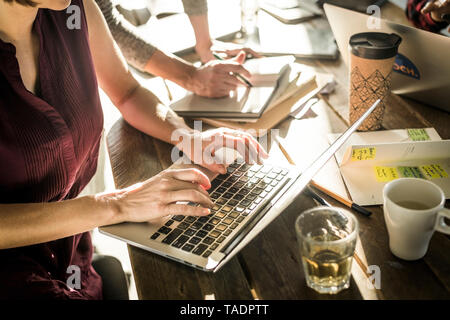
[65, 22]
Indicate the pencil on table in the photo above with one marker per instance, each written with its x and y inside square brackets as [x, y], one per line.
[342, 200]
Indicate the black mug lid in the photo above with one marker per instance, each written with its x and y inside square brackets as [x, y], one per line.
[374, 45]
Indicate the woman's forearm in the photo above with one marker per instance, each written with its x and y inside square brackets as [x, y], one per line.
[170, 67]
[143, 110]
[139, 107]
[33, 223]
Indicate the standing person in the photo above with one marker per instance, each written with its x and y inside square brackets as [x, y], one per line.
[50, 127]
[211, 79]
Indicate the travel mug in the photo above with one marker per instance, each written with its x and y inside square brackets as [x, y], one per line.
[372, 55]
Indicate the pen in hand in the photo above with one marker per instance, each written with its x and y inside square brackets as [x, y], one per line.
[239, 76]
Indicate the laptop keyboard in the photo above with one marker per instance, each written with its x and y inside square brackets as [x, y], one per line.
[237, 195]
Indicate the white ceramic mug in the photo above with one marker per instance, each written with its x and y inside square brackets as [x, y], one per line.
[413, 210]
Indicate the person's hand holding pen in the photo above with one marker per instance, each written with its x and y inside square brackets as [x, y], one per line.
[237, 75]
[217, 78]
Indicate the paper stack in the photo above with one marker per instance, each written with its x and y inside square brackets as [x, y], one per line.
[369, 160]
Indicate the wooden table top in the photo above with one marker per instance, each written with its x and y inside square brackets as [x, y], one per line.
[270, 266]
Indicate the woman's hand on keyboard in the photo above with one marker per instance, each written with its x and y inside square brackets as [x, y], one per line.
[157, 196]
[202, 147]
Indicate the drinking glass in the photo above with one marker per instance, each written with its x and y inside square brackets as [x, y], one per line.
[249, 12]
[327, 239]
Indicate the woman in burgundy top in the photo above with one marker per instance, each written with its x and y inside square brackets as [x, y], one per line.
[50, 128]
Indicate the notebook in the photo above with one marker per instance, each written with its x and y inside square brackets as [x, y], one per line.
[270, 78]
[307, 83]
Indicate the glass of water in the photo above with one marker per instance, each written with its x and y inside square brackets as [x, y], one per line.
[249, 14]
[327, 239]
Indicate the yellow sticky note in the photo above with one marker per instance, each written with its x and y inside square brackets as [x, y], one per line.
[434, 171]
[364, 153]
[385, 174]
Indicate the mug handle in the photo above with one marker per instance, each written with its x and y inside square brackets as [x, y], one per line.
[440, 225]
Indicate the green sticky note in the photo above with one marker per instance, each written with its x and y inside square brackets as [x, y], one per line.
[418, 135]
[410, 172]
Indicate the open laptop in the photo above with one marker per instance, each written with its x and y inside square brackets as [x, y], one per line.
[422, 67]
[246, 200]
[357, 5]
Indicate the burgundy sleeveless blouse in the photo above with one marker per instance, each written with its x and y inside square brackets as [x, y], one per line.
[48, 152]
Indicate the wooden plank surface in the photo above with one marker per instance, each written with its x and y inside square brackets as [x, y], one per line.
[135, 157]
[272, 260]
[277, 243]
[400, 280]
[402, 112]
[270, 266]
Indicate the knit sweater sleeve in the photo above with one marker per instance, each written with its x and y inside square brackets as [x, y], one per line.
[195, 7]
[136, 50]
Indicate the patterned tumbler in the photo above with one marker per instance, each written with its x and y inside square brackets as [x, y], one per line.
[372, 56]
